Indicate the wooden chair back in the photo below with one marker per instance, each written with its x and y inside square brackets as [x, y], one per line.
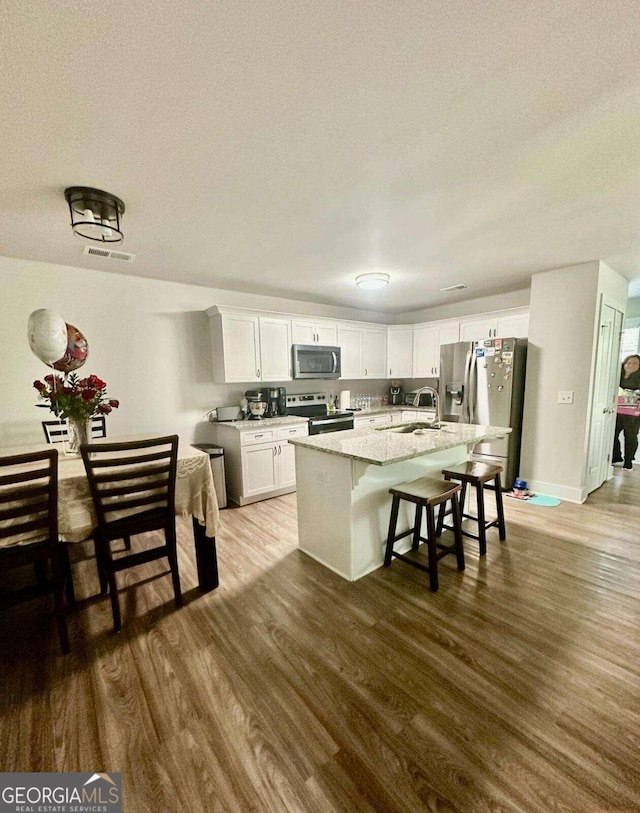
[56, 431]
[129, 477]
[29, 525]
[29, 498]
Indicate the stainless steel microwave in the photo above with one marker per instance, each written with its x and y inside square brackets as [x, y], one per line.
[315, 361]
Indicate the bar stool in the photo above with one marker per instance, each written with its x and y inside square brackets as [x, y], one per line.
[426, 492]
[477, 475]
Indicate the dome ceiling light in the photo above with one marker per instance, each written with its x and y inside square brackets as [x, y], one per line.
[372, 281]
[95, 215]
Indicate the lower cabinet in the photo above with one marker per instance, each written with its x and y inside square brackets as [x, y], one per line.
[259, 464]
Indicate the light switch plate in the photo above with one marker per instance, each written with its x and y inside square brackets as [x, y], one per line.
[565, 396]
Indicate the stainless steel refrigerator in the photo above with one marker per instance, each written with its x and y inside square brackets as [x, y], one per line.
[483, 383]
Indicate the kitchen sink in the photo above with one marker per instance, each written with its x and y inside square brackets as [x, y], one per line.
[408, 428]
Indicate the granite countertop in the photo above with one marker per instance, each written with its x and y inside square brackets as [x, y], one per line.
[383, 447]
[262, 423]
[289, 420]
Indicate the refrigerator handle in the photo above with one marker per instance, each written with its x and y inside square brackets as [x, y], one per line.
[464, 412]
[473, 387]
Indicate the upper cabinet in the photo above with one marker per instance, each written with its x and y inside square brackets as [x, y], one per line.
[275, 349]
[314, 332]
[503, 324]
[363, 351]
[248, 347]
[427, 341]
[251, 346]
[400, 352]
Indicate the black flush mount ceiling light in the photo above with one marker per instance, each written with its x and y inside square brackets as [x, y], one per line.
[95, 215]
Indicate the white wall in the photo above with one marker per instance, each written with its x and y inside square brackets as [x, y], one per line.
[148, 339]
[564, 310]
[455, 310]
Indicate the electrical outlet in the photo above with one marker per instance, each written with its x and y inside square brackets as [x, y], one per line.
[565, 396]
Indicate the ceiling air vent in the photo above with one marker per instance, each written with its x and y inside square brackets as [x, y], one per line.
[109, 255]
[459, 287]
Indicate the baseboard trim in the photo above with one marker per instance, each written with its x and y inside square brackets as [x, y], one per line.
[566, 493]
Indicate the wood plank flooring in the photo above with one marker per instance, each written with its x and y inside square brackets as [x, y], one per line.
[516, 687]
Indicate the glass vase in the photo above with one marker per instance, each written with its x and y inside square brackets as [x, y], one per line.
[78, 432]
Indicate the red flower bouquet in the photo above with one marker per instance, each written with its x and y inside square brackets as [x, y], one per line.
[75, 399]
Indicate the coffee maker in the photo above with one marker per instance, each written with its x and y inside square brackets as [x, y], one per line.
[396, 396]
[257, 402]
[276, 402]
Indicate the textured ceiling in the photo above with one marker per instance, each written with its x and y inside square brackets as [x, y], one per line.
[285, 147]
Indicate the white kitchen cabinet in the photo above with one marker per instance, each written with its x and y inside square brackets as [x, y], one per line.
[503, 324]
[363, 351]
[236, 348]
[275, 349]
[427, 341]
[314, 332]
[371, 420]
[400, 352]
[259, 470]
[350, 343]
[250, 347]
[374, 353]
[259, 463]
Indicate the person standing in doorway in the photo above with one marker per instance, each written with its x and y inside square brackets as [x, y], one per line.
[628, 424]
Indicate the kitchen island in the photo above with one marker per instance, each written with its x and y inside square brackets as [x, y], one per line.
[343, 482]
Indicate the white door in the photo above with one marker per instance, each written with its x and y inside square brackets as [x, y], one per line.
[426, 351]
[327, 334]
[477, 330]
[275, 349]
[286, 465]
[374, 353]
[400, 353]
[241, 345]
[350, 355]
[303, 332]
[603, 404]
[447, 334]
[259, 469]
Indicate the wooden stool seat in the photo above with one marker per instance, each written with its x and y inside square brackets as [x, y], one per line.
[426, 492]
[478, 475]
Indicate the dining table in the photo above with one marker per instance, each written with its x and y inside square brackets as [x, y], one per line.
[195, 496]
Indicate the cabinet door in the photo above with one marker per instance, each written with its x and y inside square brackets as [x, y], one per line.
[275, 349]
[259, 469]
[477, 330]
[400, 353]
[286, 459]
[373, 347]
[447, 334]
[241, 346]
[516, 326]
[327, 334]
[426, 352]
[303, 332]
[349, 341]
[307, 332]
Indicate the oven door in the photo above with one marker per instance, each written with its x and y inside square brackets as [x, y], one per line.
[314, 361]
[320, 426]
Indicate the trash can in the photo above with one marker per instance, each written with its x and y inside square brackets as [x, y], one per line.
[216, 456]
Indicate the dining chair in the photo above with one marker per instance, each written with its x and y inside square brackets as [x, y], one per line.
[29, 526]
[56, 431]
[124, 478]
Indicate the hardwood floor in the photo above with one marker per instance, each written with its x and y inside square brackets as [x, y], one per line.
[516, 687]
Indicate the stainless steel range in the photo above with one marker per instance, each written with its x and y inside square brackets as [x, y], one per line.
[314, 405]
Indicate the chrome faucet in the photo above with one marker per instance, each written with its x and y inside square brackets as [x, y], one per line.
[436, 398]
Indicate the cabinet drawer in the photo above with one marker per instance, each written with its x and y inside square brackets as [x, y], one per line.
[263, 436]
[371, 420]
[297, 431]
